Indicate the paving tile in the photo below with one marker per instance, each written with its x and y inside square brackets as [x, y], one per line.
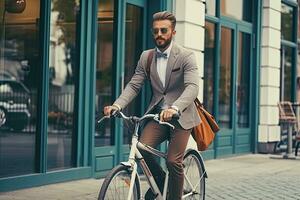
[247, 177]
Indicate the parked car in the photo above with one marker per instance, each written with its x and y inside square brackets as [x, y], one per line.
[14, 104]
[6, 75]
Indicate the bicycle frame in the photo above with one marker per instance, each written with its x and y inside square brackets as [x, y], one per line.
[135, 158]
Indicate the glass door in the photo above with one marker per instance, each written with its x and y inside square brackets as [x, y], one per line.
[19, 79]
[116, 59]
[63, 68]
[243, 92]
[234, 90]
[225, 93]
[104, 138]
[134, 45]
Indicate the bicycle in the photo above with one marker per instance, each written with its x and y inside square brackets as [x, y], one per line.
[124, 181]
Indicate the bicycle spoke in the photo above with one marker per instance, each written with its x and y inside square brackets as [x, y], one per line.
[118, 186]
[194, 177]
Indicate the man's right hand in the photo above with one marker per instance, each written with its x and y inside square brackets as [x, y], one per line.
[108, 110]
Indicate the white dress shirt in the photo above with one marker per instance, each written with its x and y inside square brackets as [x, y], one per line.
[162, 65]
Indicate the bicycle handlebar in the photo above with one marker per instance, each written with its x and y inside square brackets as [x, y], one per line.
[155, 117]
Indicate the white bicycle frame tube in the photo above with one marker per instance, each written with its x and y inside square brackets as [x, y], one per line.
[149, 176]
[166, 185]
[133, 165]
[134, 153]
[132, 181]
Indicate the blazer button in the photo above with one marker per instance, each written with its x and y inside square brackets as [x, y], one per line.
[164, 93]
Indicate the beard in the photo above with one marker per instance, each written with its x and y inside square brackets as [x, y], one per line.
[163, 43]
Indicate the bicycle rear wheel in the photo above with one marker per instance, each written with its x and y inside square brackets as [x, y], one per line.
[116, 185]
[194, 176]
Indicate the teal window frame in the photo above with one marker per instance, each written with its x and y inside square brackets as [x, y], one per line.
[82, 112]
[119, 58]
[218, 20]
[256, 26]
[84, 100]
[294, 45]
[117, 151]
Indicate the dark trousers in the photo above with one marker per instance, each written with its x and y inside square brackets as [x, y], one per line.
[154, 134]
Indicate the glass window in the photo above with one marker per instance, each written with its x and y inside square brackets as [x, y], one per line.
[298, 60]
[209, 58]
[133, 50]
[19, 77]
[286, 73]
[287, 28]
[210, 7]
[225, 92]
[238, 9]
[243, 80]
[63, 68]
[298, 22]
[298, 74]
[104, 134]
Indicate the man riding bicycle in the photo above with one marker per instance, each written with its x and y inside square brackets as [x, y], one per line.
[174, 79]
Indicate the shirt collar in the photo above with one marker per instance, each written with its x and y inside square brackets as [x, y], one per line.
[168, 50]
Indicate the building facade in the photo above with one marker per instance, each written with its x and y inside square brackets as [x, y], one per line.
[61, 62]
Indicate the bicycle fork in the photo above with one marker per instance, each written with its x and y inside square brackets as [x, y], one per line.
[131, 162]
[132, 181]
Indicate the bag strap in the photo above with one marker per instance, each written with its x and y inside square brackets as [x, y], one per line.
[149, 61]
[198, 103]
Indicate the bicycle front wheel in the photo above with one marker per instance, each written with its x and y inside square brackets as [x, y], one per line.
[117, 183]
[194, 176]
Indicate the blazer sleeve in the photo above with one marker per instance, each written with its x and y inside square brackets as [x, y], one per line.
[134, 86]
[191, 83]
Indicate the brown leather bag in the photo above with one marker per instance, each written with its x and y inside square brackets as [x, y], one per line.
[204, 133]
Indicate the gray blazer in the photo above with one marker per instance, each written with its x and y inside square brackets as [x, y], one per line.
[181, 86]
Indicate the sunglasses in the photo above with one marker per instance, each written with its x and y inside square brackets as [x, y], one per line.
[163, 31]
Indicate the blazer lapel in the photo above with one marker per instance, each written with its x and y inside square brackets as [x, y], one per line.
[155, 73]
[171, 63]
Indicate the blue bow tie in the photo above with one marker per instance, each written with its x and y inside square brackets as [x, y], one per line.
[161, 55]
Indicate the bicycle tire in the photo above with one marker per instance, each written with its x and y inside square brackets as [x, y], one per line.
[195, 172]
[111, 190]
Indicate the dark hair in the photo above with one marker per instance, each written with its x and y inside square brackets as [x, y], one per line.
[165, 15]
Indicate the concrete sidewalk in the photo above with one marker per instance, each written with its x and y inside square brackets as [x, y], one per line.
[252, 176]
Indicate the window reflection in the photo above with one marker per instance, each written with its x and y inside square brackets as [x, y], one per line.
[19, 78]
[286, 73]
[209, 58]
[63, 65]
[287, 29]
[238, 9]
[298, 23]
[225, 92]
[298, 73]
[104, 135]
[243, 81]
[133, 49]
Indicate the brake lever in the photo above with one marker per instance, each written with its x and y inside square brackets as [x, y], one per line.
[156, 118]
[103, 118]
[166, 123]
[115, 113]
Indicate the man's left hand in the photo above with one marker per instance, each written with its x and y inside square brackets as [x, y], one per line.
[167, 114]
